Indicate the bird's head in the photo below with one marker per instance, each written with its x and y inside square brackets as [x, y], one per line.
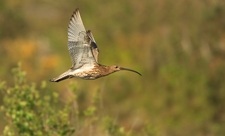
[116, 68]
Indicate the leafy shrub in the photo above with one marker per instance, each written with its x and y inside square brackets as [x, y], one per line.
[29, 113]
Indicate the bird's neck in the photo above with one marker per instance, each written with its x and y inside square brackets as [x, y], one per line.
[105, 70]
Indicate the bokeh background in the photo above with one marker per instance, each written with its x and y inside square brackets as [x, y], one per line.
[177, 45]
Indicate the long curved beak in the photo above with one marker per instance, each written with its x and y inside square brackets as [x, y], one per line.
[121, 68]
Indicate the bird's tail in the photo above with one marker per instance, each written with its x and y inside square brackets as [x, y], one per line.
[61, 77]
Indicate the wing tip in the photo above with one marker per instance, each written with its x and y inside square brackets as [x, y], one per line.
[76, 10]
[75, 13]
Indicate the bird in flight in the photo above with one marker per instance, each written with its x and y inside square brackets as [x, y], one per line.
[84, 52]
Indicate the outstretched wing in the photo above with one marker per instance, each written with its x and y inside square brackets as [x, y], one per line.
[79, 43]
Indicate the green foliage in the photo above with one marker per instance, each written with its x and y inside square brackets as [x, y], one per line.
[113, 128]
[101, 123]
[28, 112]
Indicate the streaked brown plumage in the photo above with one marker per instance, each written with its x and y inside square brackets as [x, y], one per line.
[84, 54]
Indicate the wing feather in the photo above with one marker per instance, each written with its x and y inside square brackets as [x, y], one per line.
[94, 46]
[75, 26]
[80, 43]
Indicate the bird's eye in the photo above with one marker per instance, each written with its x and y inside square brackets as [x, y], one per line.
[116, 66]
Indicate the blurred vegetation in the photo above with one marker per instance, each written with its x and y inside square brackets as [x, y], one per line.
[177, 45]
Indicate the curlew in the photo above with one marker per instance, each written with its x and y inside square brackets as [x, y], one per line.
[84, 52]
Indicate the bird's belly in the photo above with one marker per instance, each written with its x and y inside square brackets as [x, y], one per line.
[86, 74]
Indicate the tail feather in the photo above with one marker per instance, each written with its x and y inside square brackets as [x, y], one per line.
[59, 79]
[63, 76]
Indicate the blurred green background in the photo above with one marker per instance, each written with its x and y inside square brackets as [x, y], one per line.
[177, 45]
